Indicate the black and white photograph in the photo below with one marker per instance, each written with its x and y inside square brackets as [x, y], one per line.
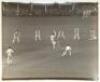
[49, 40]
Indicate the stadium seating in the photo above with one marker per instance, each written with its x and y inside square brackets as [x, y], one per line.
[10, 9]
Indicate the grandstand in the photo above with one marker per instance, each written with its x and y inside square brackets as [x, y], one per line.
[66, 9]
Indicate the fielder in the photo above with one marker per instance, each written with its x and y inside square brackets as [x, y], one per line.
[16, 37]
[67, 51]
[76, 34]
[61, 35]
[37, 35]
[53, 41]
[9, 53]
[86, 13]
[93, 34]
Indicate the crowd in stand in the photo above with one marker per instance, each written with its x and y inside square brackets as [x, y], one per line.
[48, 9]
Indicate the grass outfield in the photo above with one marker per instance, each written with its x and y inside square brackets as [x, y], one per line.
[38, 59]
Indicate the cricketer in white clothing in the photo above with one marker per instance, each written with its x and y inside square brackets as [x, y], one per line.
[9, 53]
[37, 35]
[16, 37]
[53, 41]
[67, 51]
[92, 34]
[61, 35]
[76, 34]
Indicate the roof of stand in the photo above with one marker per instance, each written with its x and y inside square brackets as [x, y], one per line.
[49, 1]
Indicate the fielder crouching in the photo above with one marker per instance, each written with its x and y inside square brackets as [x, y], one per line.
[67, 51]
